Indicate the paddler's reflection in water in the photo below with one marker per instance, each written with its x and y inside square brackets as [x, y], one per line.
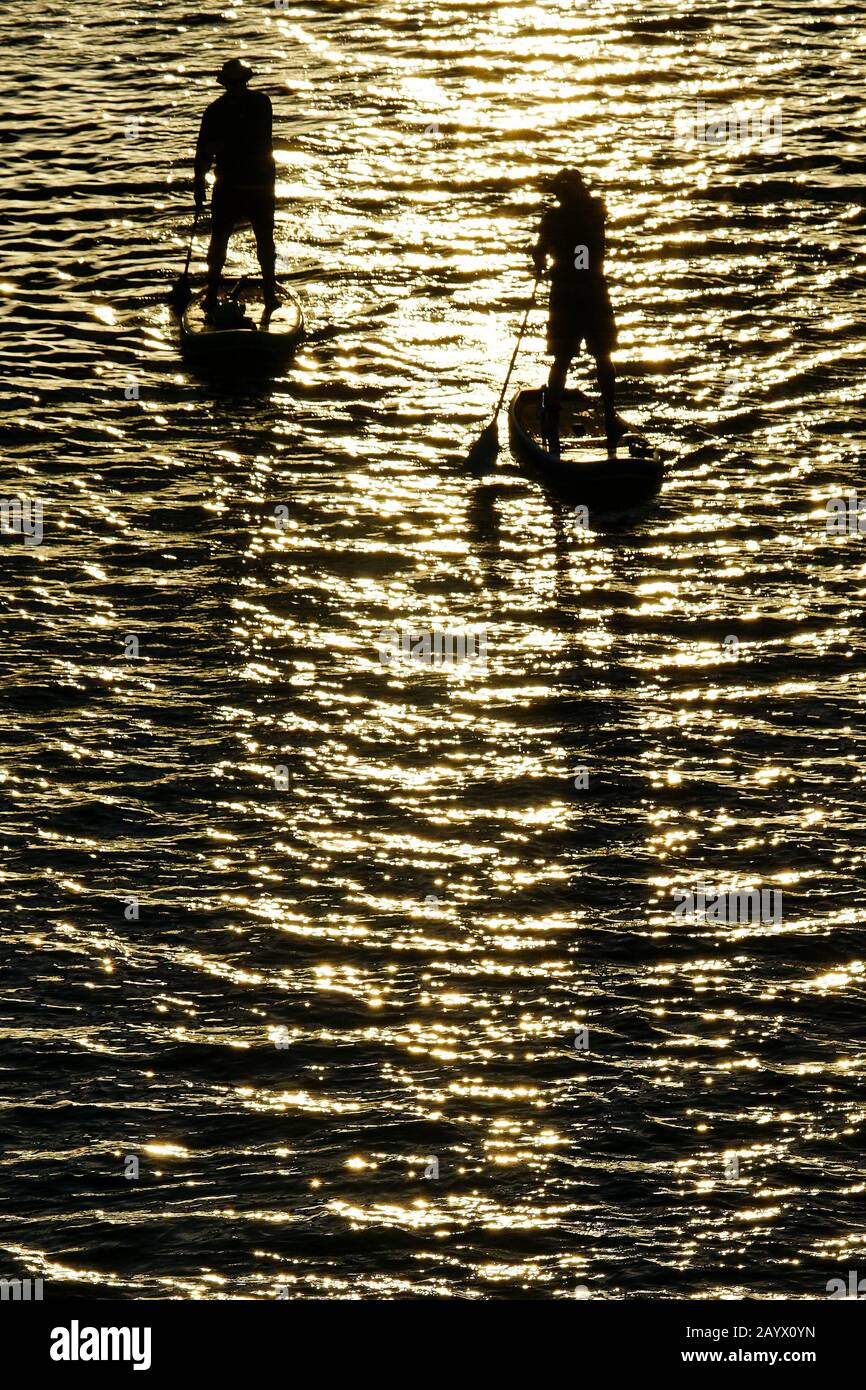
[486, 503]
[236, 136]
[572, 236]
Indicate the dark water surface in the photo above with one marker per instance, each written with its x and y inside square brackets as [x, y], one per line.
[373, 906]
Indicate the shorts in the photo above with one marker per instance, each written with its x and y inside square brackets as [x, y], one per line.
[578, 314]
[233, 204]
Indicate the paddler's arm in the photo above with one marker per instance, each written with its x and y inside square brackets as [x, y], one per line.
[268, 122]
[602, 239]
[266, 129]
[204, 155]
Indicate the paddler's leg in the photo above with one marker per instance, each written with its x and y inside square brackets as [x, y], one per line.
[558, 374]
[262, 219]
[552, 404]
[601, 341]
[222, 221]
[562, 345]
[606, 377]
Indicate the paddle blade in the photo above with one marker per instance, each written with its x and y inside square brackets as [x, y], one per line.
[180, 294]
[485, 449]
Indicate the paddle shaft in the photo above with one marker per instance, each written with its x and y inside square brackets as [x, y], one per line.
[185, 275]
[516, 347]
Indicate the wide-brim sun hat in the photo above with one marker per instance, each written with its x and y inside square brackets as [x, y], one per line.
[566, 181]
[234, 71]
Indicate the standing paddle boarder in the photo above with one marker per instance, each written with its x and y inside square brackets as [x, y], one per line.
[236, 134]
[572, 235]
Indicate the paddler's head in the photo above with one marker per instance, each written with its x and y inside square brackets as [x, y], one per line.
[234, 75]
[568, 187]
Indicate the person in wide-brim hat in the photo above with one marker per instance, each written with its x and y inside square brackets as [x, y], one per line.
[233, 72]
[572, 237]
[566, 181]
[236, 137]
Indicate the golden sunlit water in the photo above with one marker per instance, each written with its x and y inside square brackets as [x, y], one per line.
[374, 965]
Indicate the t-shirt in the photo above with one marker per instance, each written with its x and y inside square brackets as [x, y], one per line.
[236, 131]
[565, 231]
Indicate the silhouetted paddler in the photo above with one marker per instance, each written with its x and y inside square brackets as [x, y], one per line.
[236, 136]
[572, 237]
